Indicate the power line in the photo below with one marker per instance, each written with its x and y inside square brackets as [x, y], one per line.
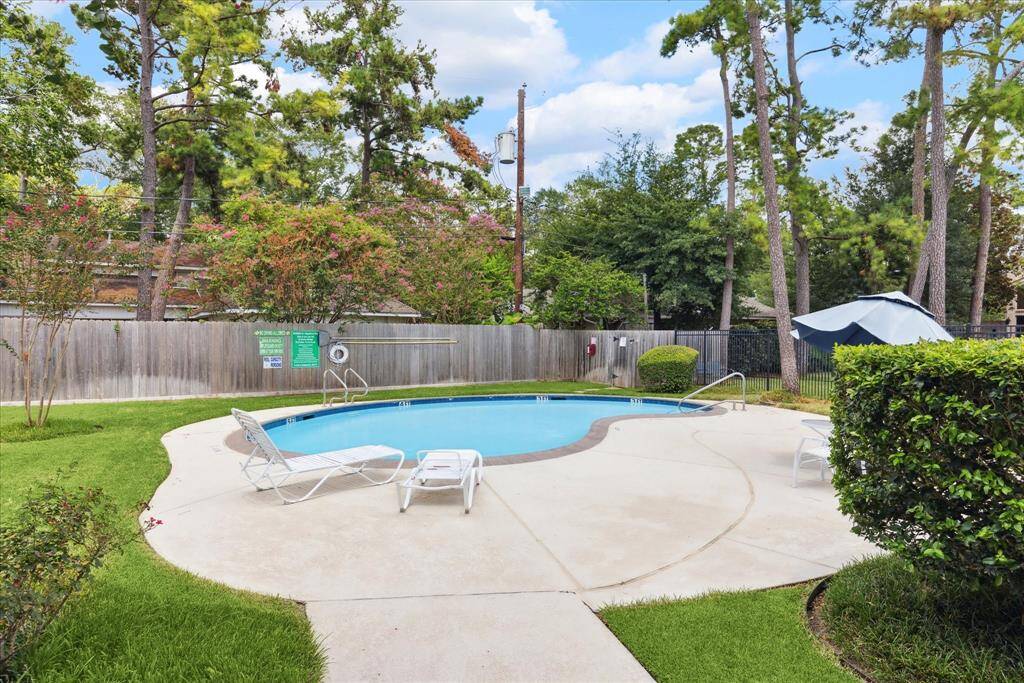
[214, 200]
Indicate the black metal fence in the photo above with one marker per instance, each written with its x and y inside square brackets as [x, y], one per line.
[755, 353]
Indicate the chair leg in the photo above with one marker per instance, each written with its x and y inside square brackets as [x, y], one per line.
[398, 468]
[469, 484]
[404, 497]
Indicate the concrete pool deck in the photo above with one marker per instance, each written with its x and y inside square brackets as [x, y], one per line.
[659, 507]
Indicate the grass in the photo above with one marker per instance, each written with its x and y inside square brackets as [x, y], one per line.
[143, 618]
[744, 636]
[19, 432]
[900, 626]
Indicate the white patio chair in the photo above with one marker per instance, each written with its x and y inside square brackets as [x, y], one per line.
[438, 470]
[267, 464]
[813, 449]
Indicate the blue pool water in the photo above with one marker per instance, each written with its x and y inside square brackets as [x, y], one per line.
[500, 425]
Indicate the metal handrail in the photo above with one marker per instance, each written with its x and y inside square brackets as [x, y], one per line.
[727, 400]
[366, 387]
[324, 400]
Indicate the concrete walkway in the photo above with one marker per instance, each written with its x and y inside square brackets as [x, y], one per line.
[661, 507]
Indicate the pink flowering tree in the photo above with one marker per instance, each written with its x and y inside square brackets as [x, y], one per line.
[285, 263]
[48, 252]
[455, 268]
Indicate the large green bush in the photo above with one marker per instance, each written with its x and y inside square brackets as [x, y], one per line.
[928, 453]
[667, 368]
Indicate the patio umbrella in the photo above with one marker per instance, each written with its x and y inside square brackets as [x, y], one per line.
[890, 318]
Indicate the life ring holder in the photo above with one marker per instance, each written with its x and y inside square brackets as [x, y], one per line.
[337, 353]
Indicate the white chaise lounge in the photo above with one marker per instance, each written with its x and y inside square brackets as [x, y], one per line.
[267, 465]
[438, 470]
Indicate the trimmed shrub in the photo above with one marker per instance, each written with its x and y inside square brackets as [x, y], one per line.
[667, 368]
[928, 452]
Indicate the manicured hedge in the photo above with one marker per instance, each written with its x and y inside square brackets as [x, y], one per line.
[939, 428]
[667, 368]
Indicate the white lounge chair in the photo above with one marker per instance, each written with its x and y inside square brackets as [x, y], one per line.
[267, 464]
[438, 470]
[813, 449]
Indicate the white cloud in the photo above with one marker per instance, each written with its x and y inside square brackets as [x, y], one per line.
[490, 48]
[642, 59]
[874, 116]
[571, 130]
[483, 48]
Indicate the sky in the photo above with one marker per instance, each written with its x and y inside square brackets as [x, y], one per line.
[591, 68]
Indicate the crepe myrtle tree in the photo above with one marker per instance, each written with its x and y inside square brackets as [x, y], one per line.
[49, 249]
[455, 267]
[287, 263]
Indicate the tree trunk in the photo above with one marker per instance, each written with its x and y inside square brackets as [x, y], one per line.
[985, 189]
[367, 156]
[801, 253]
[725, 322]
[165, 277]
[940, 194]
[148, 120]
[787, 356]
[172, 247]
[981, 258]
[917, 177]
[22, 188]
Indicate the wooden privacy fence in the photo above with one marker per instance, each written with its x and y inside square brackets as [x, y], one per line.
[109, 359]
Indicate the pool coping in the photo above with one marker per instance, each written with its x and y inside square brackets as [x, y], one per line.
[237, 442]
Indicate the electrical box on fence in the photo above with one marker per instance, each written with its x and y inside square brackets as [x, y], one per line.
[592, 347]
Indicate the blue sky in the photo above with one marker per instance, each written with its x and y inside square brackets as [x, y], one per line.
[591, 68]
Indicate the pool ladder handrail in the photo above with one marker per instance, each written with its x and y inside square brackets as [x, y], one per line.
[340, 381]
[347, 393]
[733, 401]
[366, 387]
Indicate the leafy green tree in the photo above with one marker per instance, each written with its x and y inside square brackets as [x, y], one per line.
[385, 89]
[48, 111]
[994, 104]
[654, 215]
[783, 325]
[178, 56]
[810, 132]
[570, 292]
[720, 24]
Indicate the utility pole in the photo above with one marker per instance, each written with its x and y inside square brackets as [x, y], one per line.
[520, 181]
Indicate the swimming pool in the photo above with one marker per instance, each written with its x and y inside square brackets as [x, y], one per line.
[494, 425]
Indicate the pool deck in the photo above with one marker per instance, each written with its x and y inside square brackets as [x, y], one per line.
[658, 507]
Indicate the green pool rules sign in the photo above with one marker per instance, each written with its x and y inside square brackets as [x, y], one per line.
[271, 342]
[305, 349]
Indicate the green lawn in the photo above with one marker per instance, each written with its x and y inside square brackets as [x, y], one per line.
[900, 626]
[143, 618]
[755, 636]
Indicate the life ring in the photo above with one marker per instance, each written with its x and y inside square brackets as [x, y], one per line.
[338, 353]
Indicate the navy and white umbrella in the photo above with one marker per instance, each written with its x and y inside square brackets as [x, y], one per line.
[890, 318]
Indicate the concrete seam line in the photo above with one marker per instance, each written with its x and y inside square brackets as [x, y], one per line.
[551, 554]
[441, 595]
[779, 552]
[751, 496]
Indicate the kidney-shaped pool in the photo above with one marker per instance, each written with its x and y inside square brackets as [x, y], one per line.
[493, 425]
